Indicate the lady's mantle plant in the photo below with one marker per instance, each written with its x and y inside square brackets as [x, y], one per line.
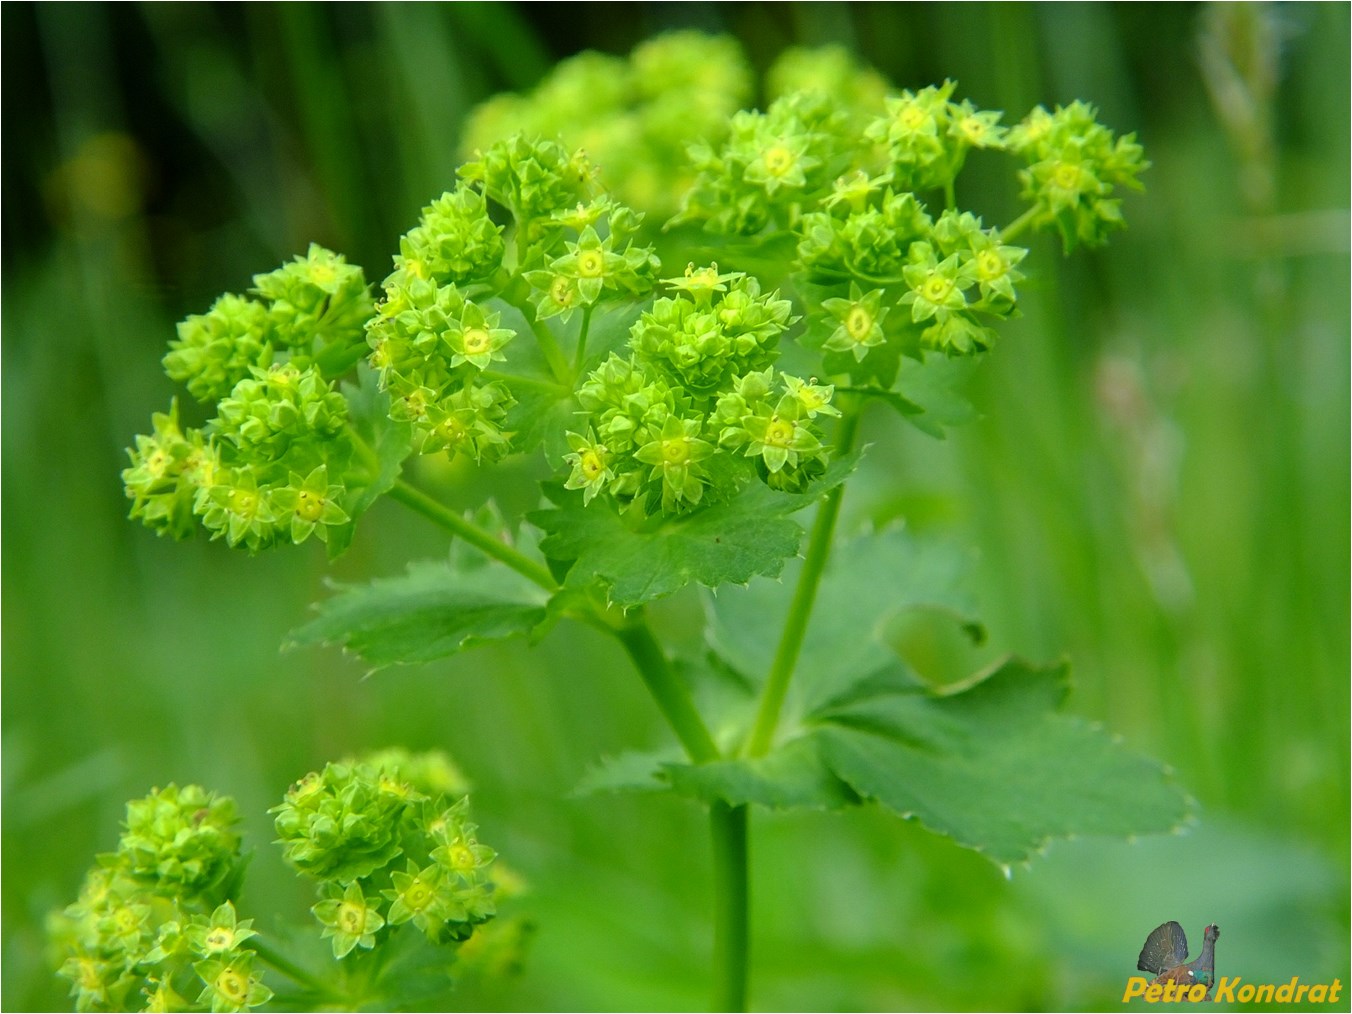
[690, 374]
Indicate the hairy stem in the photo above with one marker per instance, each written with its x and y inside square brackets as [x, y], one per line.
[411, 496]
[728, 828]
[800, 609]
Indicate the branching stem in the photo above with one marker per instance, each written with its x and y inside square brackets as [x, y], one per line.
[553, 352]
[728, 824]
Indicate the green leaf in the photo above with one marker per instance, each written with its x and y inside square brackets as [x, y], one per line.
[432, 611]
[934, 384]
[791, 776]
[631, 771]
[542, 417]
[995, 766]
[730, 542]
[607, 333]
[869, 580]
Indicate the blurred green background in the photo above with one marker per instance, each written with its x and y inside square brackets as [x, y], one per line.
[1158, 488]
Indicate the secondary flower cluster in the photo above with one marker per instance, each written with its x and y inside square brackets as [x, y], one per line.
[389, 840]
[770, 163]
[946, 276]
[153, 927]
[696, 398]
[633, 116]
[1075, 166]
[270, 464]
[437, 339]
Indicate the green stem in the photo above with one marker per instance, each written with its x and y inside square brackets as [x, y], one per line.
[853, 273]
[1019, 224]
[800, 609]
[727, 824]
[292, 971]
[411, 496]
[672, 696]
[582, 340]
[728, 827]
[950, 198]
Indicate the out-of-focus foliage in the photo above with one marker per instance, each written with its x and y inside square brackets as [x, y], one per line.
[1161, 491]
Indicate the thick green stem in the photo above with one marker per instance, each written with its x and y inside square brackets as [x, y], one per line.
[728, 827]
[672, 696]
[800, 609]
[465, 529]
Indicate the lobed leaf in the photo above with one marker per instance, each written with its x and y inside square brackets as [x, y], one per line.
[630, 771]
[991, 763]
[430, 612]
[996, 767]
[729, 542]
[929, 391]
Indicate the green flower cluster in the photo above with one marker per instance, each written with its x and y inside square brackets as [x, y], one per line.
[437, 340]
[925, 136]
[886, 277]
[389, 843]
[153, 928]
[1074, 167]
[837, 194]
[946, 276]
[269, 466]
[856, 90]
[431, 346]
[634, 117]
[696, 397]
[770, 163]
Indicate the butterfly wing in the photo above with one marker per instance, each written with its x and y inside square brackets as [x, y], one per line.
[1165, 948]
